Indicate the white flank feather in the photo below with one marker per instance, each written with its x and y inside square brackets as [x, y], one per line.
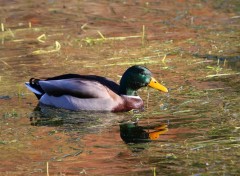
[32, 89]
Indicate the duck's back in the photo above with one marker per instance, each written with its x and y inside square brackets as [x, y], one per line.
[82, 86]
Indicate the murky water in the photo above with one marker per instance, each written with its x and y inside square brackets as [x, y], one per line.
[193, 47]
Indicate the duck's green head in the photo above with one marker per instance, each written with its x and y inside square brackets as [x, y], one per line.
[136, 77]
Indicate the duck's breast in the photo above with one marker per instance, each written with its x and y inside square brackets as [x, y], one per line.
[129, 103]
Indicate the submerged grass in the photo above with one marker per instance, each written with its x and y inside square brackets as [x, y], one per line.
[209, 155]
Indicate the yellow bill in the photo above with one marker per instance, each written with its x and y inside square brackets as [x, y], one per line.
[155, 135]
[154, 84]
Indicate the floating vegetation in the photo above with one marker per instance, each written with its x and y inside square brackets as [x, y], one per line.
[217, 69]
[42, 38]
[220, 75]
[7, 34]
[93, 41]
[11, 114]
[2, 27]
[55, 48]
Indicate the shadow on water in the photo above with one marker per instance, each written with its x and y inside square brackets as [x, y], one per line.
[232, 62]
[83, 121]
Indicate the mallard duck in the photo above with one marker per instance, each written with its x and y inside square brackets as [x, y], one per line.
[94, 93]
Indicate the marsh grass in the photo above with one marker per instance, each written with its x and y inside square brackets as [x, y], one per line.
[2, 27]
[47, 168]
[8, 33]
[154, 171]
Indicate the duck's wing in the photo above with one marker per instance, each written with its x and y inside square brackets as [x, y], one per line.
[77, 87]
[102, 80]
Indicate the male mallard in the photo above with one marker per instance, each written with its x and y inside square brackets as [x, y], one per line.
[94, 93]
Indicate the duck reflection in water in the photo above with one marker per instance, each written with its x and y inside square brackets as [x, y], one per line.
[85, 122]
[131, 132]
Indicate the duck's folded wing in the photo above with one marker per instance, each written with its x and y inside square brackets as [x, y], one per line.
[75, 87]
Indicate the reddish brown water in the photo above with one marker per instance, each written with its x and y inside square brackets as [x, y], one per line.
[182, 44]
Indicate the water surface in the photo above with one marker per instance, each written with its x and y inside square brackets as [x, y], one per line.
[192, 47]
